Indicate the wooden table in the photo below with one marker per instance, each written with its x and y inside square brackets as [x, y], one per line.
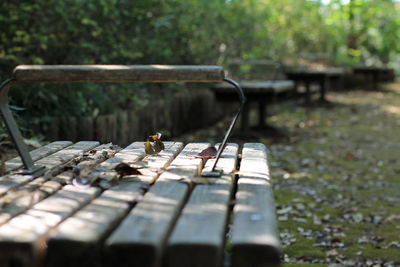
[372, 74]
[260, 92]
[308, 76]
[167, 216]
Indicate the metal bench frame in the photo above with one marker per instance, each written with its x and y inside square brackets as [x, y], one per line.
[104, 74]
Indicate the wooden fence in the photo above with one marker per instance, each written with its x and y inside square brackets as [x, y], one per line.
[187, 110]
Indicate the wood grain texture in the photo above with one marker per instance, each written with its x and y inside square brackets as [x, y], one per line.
[25, 196]
[140, 238]
[22, 238]
[255, 239]
[82, 235]
[52, 163]
[37, 154]
[198, 237]
[105, 171]
[257, 86]
[118, 73]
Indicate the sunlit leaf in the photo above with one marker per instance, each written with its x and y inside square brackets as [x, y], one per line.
[208, 153]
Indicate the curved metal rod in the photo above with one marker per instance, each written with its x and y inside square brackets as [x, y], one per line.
[228, 133]
[15, 134]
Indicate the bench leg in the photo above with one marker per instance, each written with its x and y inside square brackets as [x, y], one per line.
[15, 134]
[262, 114]
[308, 93]
[245, 117]
[323, 90]
[375, 82]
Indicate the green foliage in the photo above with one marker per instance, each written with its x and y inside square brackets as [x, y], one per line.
[180, 32]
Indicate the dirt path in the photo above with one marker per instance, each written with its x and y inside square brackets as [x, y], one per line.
[337, 179]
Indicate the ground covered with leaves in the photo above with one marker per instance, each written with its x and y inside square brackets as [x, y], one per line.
[336, 178]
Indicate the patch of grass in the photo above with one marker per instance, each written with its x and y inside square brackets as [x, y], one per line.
[304, 248]
[371, 252]
[304, 265]
[347, 156]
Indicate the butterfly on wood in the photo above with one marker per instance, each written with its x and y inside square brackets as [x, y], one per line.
[154, 144]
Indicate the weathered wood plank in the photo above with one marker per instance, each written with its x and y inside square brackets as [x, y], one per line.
[22, 238]
[105, 171]
[257, 86]
[65, 155]
[16, 163]
[140, 238]
[198, 237]
[82, 234]
[255, 240]
[18, 201]
[52, 163]
[118, 73]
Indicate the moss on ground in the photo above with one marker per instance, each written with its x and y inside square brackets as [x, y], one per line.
[337, 183]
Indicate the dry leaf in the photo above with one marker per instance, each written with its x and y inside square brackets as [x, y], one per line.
[124, 169]
[208, 153]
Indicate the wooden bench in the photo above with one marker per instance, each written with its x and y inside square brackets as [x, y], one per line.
[320, 77]
[89, 207]
[260, 92]
[373, 75]
[265, 87]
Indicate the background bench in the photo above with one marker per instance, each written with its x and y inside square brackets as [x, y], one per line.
[262, 82]
[320, 77]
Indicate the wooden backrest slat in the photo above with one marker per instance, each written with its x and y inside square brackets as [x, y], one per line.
[118, 73]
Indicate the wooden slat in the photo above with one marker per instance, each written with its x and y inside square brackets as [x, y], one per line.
[52, 164]
[258, 86]
[118, 73]
[140, 238]
[37, 154]
[198, 238]
[22, 238]
[82, 234]
[65, 155]
[255, 240]
[20, 200]
[105, 171]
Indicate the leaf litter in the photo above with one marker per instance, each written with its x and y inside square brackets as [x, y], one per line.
[336, 185]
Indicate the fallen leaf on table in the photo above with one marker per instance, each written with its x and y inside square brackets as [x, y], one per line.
[208, 153]
[124, 169]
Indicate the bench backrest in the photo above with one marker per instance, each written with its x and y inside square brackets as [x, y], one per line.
[256, 70]
[118, 73]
